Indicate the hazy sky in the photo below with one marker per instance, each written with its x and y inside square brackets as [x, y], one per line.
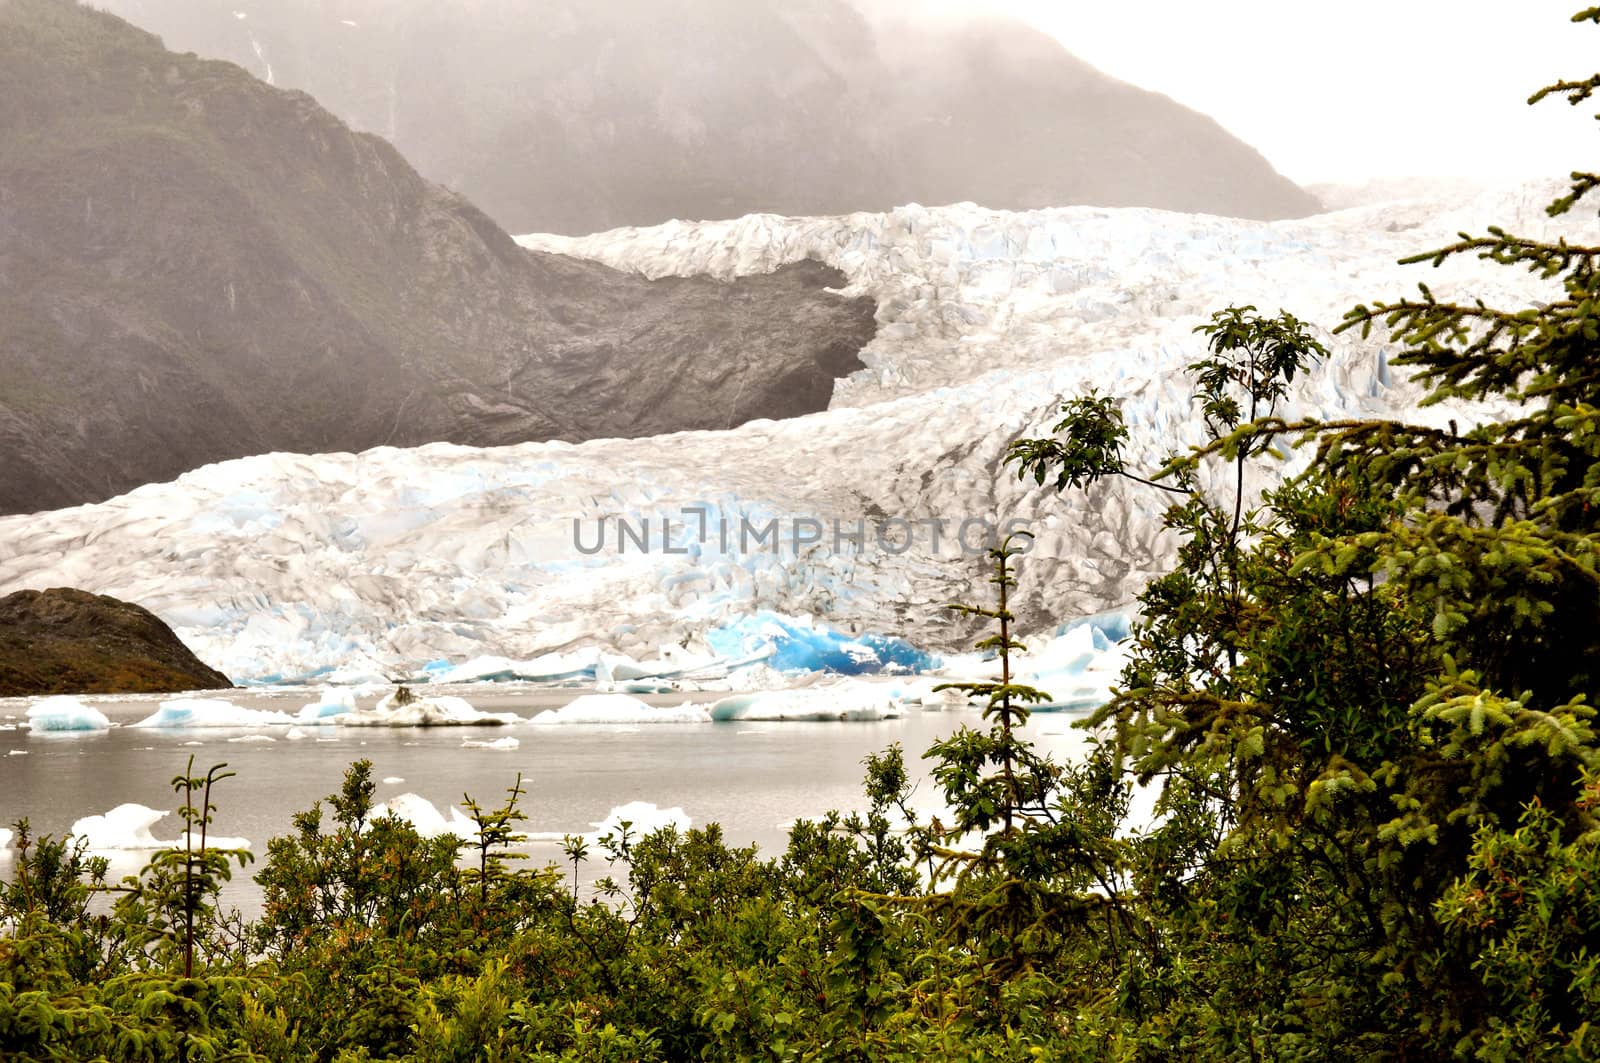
[1350, 88]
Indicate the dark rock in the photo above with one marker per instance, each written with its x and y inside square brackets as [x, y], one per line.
[64, 641]
[573, 116]
[196, 266]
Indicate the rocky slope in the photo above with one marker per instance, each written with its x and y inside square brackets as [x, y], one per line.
[196, 266]
[64, 641]
[573, 116]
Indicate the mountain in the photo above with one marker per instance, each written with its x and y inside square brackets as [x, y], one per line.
[382, 562]
[195, 266]
[64, 641]
[572, 116]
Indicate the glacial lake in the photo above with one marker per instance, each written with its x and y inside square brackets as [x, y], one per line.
[753, 777]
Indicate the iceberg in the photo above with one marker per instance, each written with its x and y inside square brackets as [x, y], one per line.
[211, 712]
[332, 702]
[618, 709]
[65, 713]
[439, 711]
[835, 701]
[506, 743]
[127, 827]
[1077, 667]
[642, 818]
[427, 820]
[546, 668]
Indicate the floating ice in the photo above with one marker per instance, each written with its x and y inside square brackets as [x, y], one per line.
[921, 693]
[128, 827]
[642, 818]
[392, 780]
[5, 837]
[330, 703]
[547, 668]
[832, 701]
[425, 817]
[440, 711]
[619, 709]
[210, 712]
[1077, 668]
[252, 739]
[507, 743]
[65, 713]
[296, 735]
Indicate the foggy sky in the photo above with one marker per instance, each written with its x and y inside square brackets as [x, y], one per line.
[1348, 90]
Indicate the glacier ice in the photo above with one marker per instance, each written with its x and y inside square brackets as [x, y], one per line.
[618, 709]
[391, 560]
[128, 826]
[437, 711]
[331, 702]
[507, 743]
[642, 818]
[799, 644]
[210, 712]
[65, 712]
[849, 700]
[426, 819]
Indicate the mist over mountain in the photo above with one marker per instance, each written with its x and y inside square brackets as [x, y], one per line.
[574, 116]
[195, 266]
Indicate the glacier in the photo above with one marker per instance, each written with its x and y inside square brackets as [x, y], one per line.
[862, 521]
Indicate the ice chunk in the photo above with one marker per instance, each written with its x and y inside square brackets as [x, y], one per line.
[210, 712]
[619, 709]
[424, 816]
[642, 818]
[333, 701]
[441, 711]
[296, 735]
[128, 827]
[506, 743]
[5, 837]
[255, 739]
[832, 701]
[65, 713]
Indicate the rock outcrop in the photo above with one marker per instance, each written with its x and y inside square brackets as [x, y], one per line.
[64, 641]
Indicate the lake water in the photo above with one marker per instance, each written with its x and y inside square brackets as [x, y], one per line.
[754, 778]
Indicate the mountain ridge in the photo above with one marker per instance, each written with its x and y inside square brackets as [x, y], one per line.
[198, 266]
[574, 116]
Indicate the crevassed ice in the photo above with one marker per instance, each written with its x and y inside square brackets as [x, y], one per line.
[293, 565]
